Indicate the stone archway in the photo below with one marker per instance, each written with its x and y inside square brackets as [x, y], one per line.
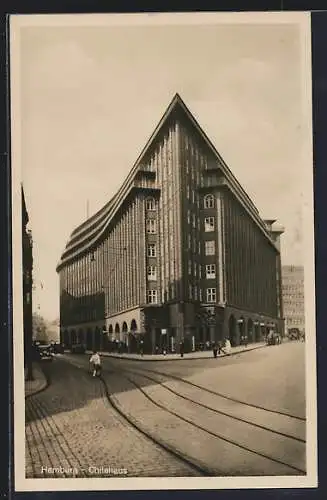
[89, 340]
[241, 329]
[66, 341]
[73, 337]
[124, 330]
[105, 338]
[232, 330]
[97, 338]
[117, 335]
[250, 332]
[80, 336]
[132, 338]
[257, 331]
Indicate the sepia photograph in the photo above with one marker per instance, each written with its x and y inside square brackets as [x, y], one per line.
[163, 251]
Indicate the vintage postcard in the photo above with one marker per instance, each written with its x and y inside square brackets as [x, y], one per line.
[163, 251]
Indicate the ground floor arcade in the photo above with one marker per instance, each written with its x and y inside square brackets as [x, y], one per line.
[156, 329]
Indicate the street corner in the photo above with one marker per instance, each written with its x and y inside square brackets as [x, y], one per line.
[38, 383]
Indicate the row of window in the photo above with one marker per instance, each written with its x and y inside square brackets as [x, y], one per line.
[211, 295]
[209, 248]
[208, 202]
[209, 225]
[209, 274]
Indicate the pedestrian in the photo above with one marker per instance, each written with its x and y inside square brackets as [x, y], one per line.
[95, 362]
[214, 350]
[220, 349]
[181, 348]
[141, 348]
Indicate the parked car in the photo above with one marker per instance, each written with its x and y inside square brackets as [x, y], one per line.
[294, 334]
[44, 352]
[77, 349]
[273, 338]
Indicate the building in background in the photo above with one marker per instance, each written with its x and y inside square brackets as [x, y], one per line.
[27, 256]
[293, 297]
[179, 254]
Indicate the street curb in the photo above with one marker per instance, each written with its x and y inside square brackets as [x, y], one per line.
[178, 358]
[44, 385]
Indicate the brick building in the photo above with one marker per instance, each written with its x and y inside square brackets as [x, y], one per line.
[293, 297]
[27, 255]
[180, 252]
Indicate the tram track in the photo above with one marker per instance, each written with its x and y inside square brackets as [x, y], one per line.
[194, 465]
[200, 469]
[219, 411]
[222, 395]
[213, 434]
[132, 375]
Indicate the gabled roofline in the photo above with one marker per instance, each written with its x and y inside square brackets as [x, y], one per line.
[117, 199]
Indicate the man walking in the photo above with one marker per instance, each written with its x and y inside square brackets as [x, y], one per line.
[95, 360]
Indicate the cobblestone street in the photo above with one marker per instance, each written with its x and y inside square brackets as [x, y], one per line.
[201, 417]
[71, 426]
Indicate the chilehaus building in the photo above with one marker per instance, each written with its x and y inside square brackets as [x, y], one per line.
[179, 256]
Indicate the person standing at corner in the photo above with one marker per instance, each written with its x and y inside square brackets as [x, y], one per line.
[214, 350]
[181, 348]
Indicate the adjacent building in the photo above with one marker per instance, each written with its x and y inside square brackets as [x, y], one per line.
[293, 297]
[27, 269]
[179, 254]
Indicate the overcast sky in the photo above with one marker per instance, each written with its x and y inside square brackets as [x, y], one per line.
[91, 97]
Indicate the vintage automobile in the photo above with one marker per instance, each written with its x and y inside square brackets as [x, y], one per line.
[44, 353]
[273, 338]
[294, 334]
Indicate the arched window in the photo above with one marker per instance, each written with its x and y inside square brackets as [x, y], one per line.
[209, 201]
[150, 204]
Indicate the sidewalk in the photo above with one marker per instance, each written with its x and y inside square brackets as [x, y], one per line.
[187, 356]
[38, 384]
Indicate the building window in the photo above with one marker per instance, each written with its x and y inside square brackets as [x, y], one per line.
[150, 204]
[152, 273]
[189, 267]
[210, 247]
[209, 201]
[152, 296]
[195, 293]
[151, 226]
[151, 250]
[209, 224]
[211, 295]
[210, 271]
[187, 191]
[200, 294]
[28, 298]
[190, 291]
